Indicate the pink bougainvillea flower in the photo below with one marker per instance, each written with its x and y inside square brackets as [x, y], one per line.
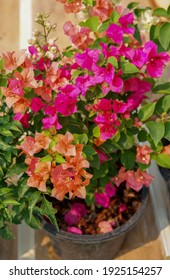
[122, 208]
[115, 32]
[119, 106]
[65, 104]
[36, 104]
[137, 179]
[120, 177]
[64, 146]
[84, 82]
[107, 131]
[23, 119]
[72, 217]
[125, 21]
[156, 61]
[80, 208]
[137, 87]
[143, 154]
[74, 230]
[69, 28]
[105, 226]
[87, 59]
[48, 122]
[73, 6]
[110, 189]
[102, 9]
[102, 74]
[102, 156]
[12, 60]
[116, 85]
[70, 90]
[103, 105]
[15, 85]
[102, 199]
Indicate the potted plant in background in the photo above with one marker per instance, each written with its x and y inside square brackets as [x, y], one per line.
[79, 127]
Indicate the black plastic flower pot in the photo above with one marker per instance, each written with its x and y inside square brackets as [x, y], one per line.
[105, 246]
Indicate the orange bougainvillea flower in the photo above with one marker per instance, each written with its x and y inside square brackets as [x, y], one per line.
[143, 154]
[102, 9]
[44, 92]
[166, 150]
[40, 175]
[19, 103]
[64, 145]
[12, 60]
[31, 145]
[27, 78]
[71, 177]
[11, 98]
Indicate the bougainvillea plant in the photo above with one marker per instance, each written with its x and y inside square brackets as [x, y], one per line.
[80, 126]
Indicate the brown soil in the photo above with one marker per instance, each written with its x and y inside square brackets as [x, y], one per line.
[89, 223]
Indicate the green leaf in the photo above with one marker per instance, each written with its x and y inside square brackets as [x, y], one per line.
[81, 138]
[160, 12]
[162, 160]
[91, 23]
[32, 221]
[142, 136]
[88, 150]
[137, 34]
[89, 2]
[4, 191]
[129, 68]
[59, 158]
[1, 63]
[162, 89]
[128, 159]
[164, 35]
[114, 17]
[32, 201]
[1, 176]
[154, 32]
[132, 5]
[6, 233]
[10, 202]
[102, 171]
[3, 82]
[104, 26]
[156, 130]
[96, 132]
[166, 103]
[112, 60]
[167, 131]
[168, 10]
[146, 111]
[46, 158]
[16, 169]
[5, 132]
[94, 161]
[4, 146]
[128, 141]
[49, 211]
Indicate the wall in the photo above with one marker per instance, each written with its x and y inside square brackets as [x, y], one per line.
[10, 17]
